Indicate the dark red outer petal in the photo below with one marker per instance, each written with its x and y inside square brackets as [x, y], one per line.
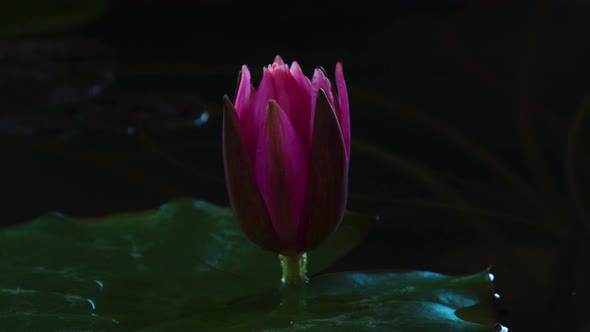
[245, 200]
[328, 188]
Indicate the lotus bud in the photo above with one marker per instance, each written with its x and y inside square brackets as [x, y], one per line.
[286, 148]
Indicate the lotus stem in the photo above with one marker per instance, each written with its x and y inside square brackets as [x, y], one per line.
[294, 269]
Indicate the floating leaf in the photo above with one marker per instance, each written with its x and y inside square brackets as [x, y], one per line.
[410, 301]
[187, 266]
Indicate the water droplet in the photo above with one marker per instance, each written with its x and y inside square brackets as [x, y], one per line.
[91, 303]
[496, 295]
[99, 283]
[115, 321]
[500, 328]
[491, 277]
[202, 119]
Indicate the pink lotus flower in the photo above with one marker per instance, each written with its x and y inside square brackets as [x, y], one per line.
[286, 149]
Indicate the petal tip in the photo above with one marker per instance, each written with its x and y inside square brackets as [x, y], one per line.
[227, 104]
[279, 60]
[272, 105]
[321, 71]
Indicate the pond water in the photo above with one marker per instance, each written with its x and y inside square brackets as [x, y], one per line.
[467, 123]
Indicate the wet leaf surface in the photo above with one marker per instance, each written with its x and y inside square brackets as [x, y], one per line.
[187, 266]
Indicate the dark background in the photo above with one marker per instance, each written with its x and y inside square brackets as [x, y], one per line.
[468, 122]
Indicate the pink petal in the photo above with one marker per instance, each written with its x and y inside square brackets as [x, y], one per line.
[281, 169]
[279, 60]
[244, 97]
[293, 101]
[244, 197]
[344, 107]
[319, 81]
[266, 91]
[302, 80]
[245, 93]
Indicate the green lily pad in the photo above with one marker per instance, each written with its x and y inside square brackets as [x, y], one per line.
[33, 16]
[411, 301]
[187, 266]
